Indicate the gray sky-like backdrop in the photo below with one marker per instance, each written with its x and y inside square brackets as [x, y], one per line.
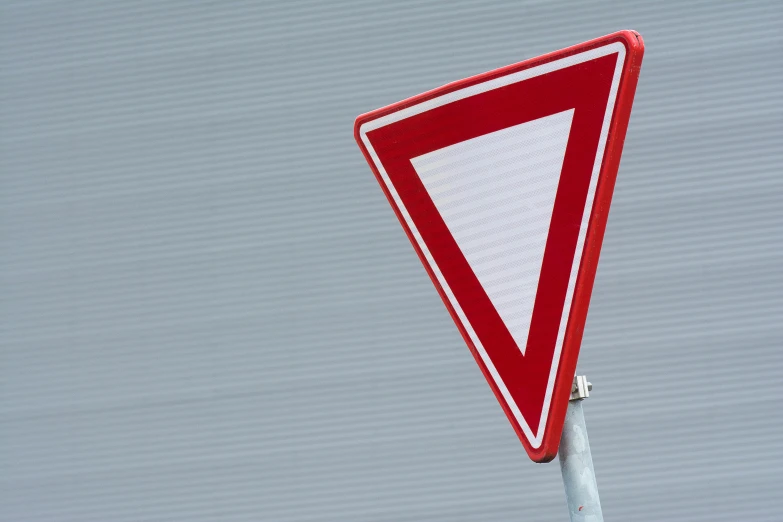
[210, 313]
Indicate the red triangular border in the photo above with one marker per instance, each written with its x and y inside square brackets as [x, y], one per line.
[584, 87]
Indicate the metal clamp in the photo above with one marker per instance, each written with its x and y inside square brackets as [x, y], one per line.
[581, 388]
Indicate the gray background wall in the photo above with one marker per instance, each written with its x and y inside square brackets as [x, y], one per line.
[209, 311]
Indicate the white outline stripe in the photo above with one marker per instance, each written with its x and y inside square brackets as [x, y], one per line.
[536, 438]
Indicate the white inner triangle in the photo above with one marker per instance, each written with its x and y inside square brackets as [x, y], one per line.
[496, 194]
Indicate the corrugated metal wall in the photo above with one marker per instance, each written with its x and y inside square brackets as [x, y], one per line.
[209, 311]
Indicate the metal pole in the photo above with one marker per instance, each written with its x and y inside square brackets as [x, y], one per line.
[576, 462]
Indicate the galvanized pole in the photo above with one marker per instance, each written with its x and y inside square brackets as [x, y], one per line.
[576, 462]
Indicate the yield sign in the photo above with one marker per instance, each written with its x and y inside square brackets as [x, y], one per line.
[503, 182]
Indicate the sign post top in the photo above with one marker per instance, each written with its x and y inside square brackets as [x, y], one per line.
[503, 183]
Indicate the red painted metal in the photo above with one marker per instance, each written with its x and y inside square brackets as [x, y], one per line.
[585, 87]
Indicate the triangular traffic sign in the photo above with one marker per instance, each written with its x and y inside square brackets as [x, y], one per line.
[503, 182]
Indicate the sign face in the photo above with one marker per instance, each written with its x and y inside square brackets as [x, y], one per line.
[503, 182]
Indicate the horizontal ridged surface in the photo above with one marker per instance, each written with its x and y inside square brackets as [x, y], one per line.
[210, 312]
